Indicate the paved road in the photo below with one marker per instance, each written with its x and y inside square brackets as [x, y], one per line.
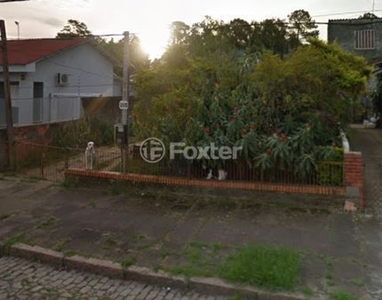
[22, 279]
[369, 142]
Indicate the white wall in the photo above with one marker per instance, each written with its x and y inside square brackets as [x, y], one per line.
[89, 72]
[22, 98]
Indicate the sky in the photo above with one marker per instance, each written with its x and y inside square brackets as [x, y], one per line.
[151, 19]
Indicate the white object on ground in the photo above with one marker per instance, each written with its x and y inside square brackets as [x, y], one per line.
[89, 156]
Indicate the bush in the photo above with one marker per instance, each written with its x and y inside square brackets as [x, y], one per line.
[77, 134]
[330, 174]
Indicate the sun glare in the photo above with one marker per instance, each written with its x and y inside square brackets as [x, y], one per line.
[154, 43]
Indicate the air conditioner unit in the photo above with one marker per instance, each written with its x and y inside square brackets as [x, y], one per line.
[62, 79]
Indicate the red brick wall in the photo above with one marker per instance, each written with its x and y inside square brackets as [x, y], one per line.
[353, 174]
[284, 188]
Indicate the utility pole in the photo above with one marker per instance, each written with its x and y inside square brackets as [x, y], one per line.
[125, 99]
[7, 97]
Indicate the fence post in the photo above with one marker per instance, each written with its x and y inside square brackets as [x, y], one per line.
[353, 177]
[66, 159]
[42, 162]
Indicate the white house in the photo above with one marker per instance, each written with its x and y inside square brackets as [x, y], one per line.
[50, 76]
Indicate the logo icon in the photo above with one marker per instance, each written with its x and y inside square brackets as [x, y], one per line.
[152, 150]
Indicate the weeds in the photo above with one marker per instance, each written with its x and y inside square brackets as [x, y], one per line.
[269, 267]
[307, 291]
[47, 223]
[129, 261]
[17, 238]
[340, 295]
[110, 243]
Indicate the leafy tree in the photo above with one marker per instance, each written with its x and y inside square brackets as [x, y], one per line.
[368, 15]
[301, 27]
[282, 109]
[179, 32]
[74, 28]
[272, 34]
[138, 59]
[376, 97]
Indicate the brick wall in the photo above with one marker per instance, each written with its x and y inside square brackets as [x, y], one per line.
[353, 177]
[282, 188]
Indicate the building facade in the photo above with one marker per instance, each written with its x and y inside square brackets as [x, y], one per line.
[360, 36]
[49, 77]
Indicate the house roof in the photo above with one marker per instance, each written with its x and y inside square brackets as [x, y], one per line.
[22, 52]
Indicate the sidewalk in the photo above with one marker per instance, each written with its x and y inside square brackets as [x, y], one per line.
[162, 233]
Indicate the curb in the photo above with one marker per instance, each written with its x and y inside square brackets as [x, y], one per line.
[115, 270]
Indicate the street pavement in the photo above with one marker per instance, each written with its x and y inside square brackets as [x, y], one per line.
[23, 279]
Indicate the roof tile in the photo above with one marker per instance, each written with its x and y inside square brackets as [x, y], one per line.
[22, 52]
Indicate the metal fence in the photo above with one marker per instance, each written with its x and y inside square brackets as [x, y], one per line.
[49, 162]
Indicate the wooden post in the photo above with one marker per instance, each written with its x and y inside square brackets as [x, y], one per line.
[7, 98]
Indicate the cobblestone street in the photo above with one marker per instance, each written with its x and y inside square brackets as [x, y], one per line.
[22, 279]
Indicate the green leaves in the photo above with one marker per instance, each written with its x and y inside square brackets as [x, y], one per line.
[217, 84]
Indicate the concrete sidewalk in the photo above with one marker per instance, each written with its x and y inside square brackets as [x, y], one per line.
[154, 232]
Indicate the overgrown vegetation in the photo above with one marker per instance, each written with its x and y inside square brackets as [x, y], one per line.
[77, 134]
[340, 295]
[273, 268]
[213, 86]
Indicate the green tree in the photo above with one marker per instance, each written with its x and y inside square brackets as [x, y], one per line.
[282, 111]
[368, 15]
[273, 36]
[74, 28]
[138, 59]
[302, 26]
[179, 32]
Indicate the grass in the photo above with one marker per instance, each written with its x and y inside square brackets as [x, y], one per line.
[236, 297]
[358, 282]
[199, 259]
[110, 243]
[15, 239]
[60, 244]
[47, 222]
[328, 274]
[164, 253]
[274, 268]
[127, 262]
[340, 295]
[70, 253]
[307, 291]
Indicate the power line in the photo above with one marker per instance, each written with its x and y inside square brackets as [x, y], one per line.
[344, 13]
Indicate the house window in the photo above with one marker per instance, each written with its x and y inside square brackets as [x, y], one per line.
[38, 95]
[364, 39]
[14, 88]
